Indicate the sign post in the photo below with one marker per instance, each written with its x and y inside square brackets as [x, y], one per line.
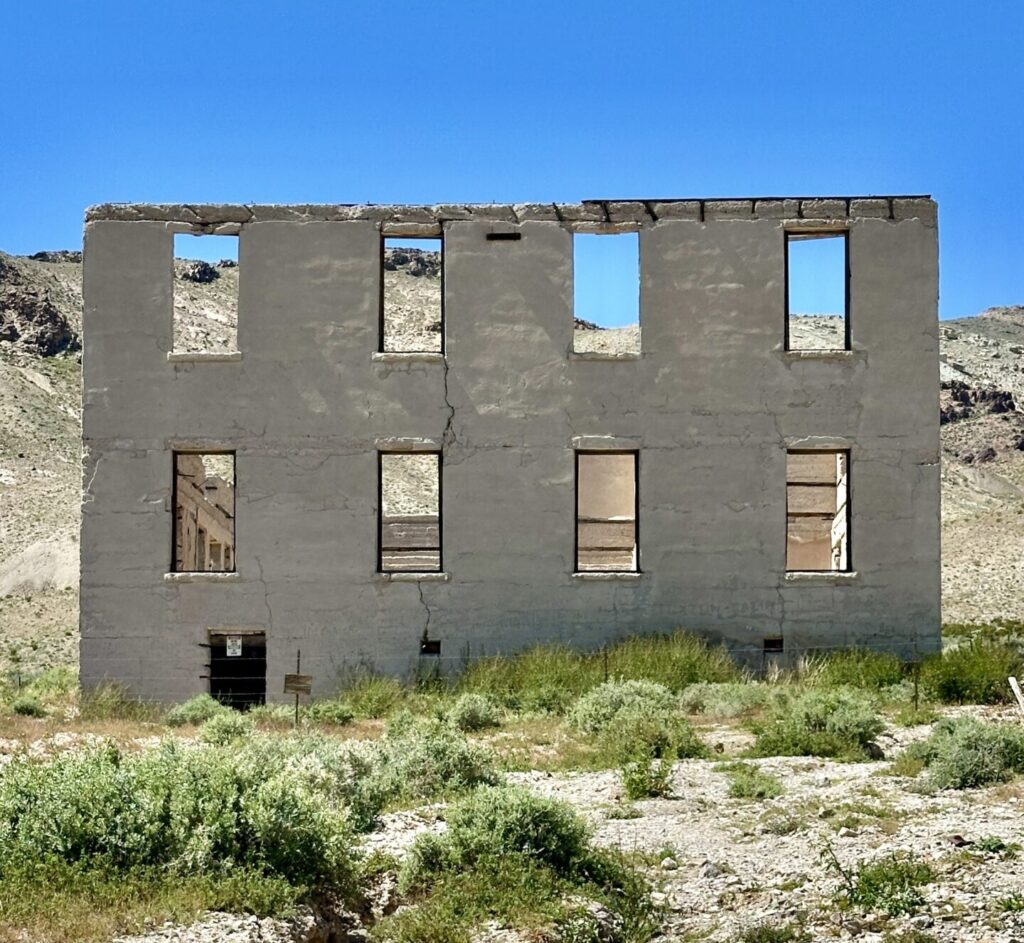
[298, 683]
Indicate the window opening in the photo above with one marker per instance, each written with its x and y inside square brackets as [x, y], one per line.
[606, 511]
[817, 291]
[204, 519]
[410, 512]
[606, 293]
[817, 511]
[205, 294]
[412, 309]
[238, 668]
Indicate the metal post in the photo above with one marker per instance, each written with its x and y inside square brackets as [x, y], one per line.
[298, 670]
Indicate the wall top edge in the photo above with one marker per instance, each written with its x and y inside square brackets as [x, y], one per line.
[583, 215]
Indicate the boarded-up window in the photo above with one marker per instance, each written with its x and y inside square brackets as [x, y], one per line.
[817, 289]
[817, 511]
[410, 512]
[606, 511]
[204, 512]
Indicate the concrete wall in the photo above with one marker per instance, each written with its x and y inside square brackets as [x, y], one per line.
[712, 404]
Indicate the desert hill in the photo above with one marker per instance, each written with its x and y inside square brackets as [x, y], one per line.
[981, 401]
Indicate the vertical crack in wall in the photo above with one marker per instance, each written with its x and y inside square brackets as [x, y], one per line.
[426, 608]
[448, 436]
[266, 594]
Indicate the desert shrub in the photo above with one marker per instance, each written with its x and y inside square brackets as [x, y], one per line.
[330, 711]
[965, 753]
[597, 709]
[28, 706]
[972, 674]
[545, 677]
[371, 696]
[838, 722]
[224, 728]
[189, 809]
[497, 821]
[725, 699]
[674, 660]
[196, 710]
[646, 778]
[424, 760]
[637, 732]
[909, 936]
[855, 668]
[748, 782]
[113, 702]
[890, 885]
[472, 712]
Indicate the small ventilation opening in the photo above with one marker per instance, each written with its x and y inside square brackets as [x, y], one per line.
[773, 645]
[238, 668]
[430, 646]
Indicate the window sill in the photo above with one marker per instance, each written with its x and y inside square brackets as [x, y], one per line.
[604, 355]
[399, 577]
[835, 355]
[208, 576]
[407, 356]
[602, 576]
[822, 577]
[204, 356]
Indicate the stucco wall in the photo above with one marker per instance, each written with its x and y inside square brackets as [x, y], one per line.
[712, 404]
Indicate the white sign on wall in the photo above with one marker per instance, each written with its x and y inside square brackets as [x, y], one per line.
[234, 646]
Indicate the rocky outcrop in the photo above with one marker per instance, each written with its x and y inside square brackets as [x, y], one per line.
[965, 402]
[200, 272]
[415, 262]
[29, 318]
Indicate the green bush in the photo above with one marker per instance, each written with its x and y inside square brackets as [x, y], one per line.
[748, 782]
[370, 696]
[654, 734]
[972, 674]
[222, 729]
[330, 711]
[597, 709]
[770, 933]
[890, 885]
[472, 712]
[838, 722]
[195, 711]
[644, 778]
[964, 753]
[425, 760]
[855, 668]
[726, 699]
[28, 707]
[190, 809]
[675, 660]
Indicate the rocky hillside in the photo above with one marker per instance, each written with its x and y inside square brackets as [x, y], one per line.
[981, 402]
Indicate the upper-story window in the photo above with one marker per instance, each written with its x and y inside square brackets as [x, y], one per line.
[606, 294]
[205, 294]
[412, 295]
[817, 291]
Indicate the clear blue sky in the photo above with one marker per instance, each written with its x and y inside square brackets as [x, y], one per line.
[432, 101]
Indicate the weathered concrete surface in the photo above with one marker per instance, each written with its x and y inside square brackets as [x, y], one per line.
[712, 404]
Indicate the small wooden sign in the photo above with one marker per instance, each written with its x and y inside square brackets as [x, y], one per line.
[298, 684]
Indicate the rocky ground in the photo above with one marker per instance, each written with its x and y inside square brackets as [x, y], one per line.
[721, 865]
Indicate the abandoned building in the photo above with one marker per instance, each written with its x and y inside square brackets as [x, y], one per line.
[382, 472]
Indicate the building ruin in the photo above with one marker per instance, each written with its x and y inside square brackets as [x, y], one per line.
[482, 482]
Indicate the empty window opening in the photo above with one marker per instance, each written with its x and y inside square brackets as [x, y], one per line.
[238, 668]
[817, 291]
[606, 293]
[606, 512]
[773, 645]
[412, 310]
[410, 512]
[205, 294]
[204, 519]
[817, 511]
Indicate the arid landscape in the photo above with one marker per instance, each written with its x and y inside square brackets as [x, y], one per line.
[883, 819]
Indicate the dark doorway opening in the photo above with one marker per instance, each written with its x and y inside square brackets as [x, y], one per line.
[238, 668]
